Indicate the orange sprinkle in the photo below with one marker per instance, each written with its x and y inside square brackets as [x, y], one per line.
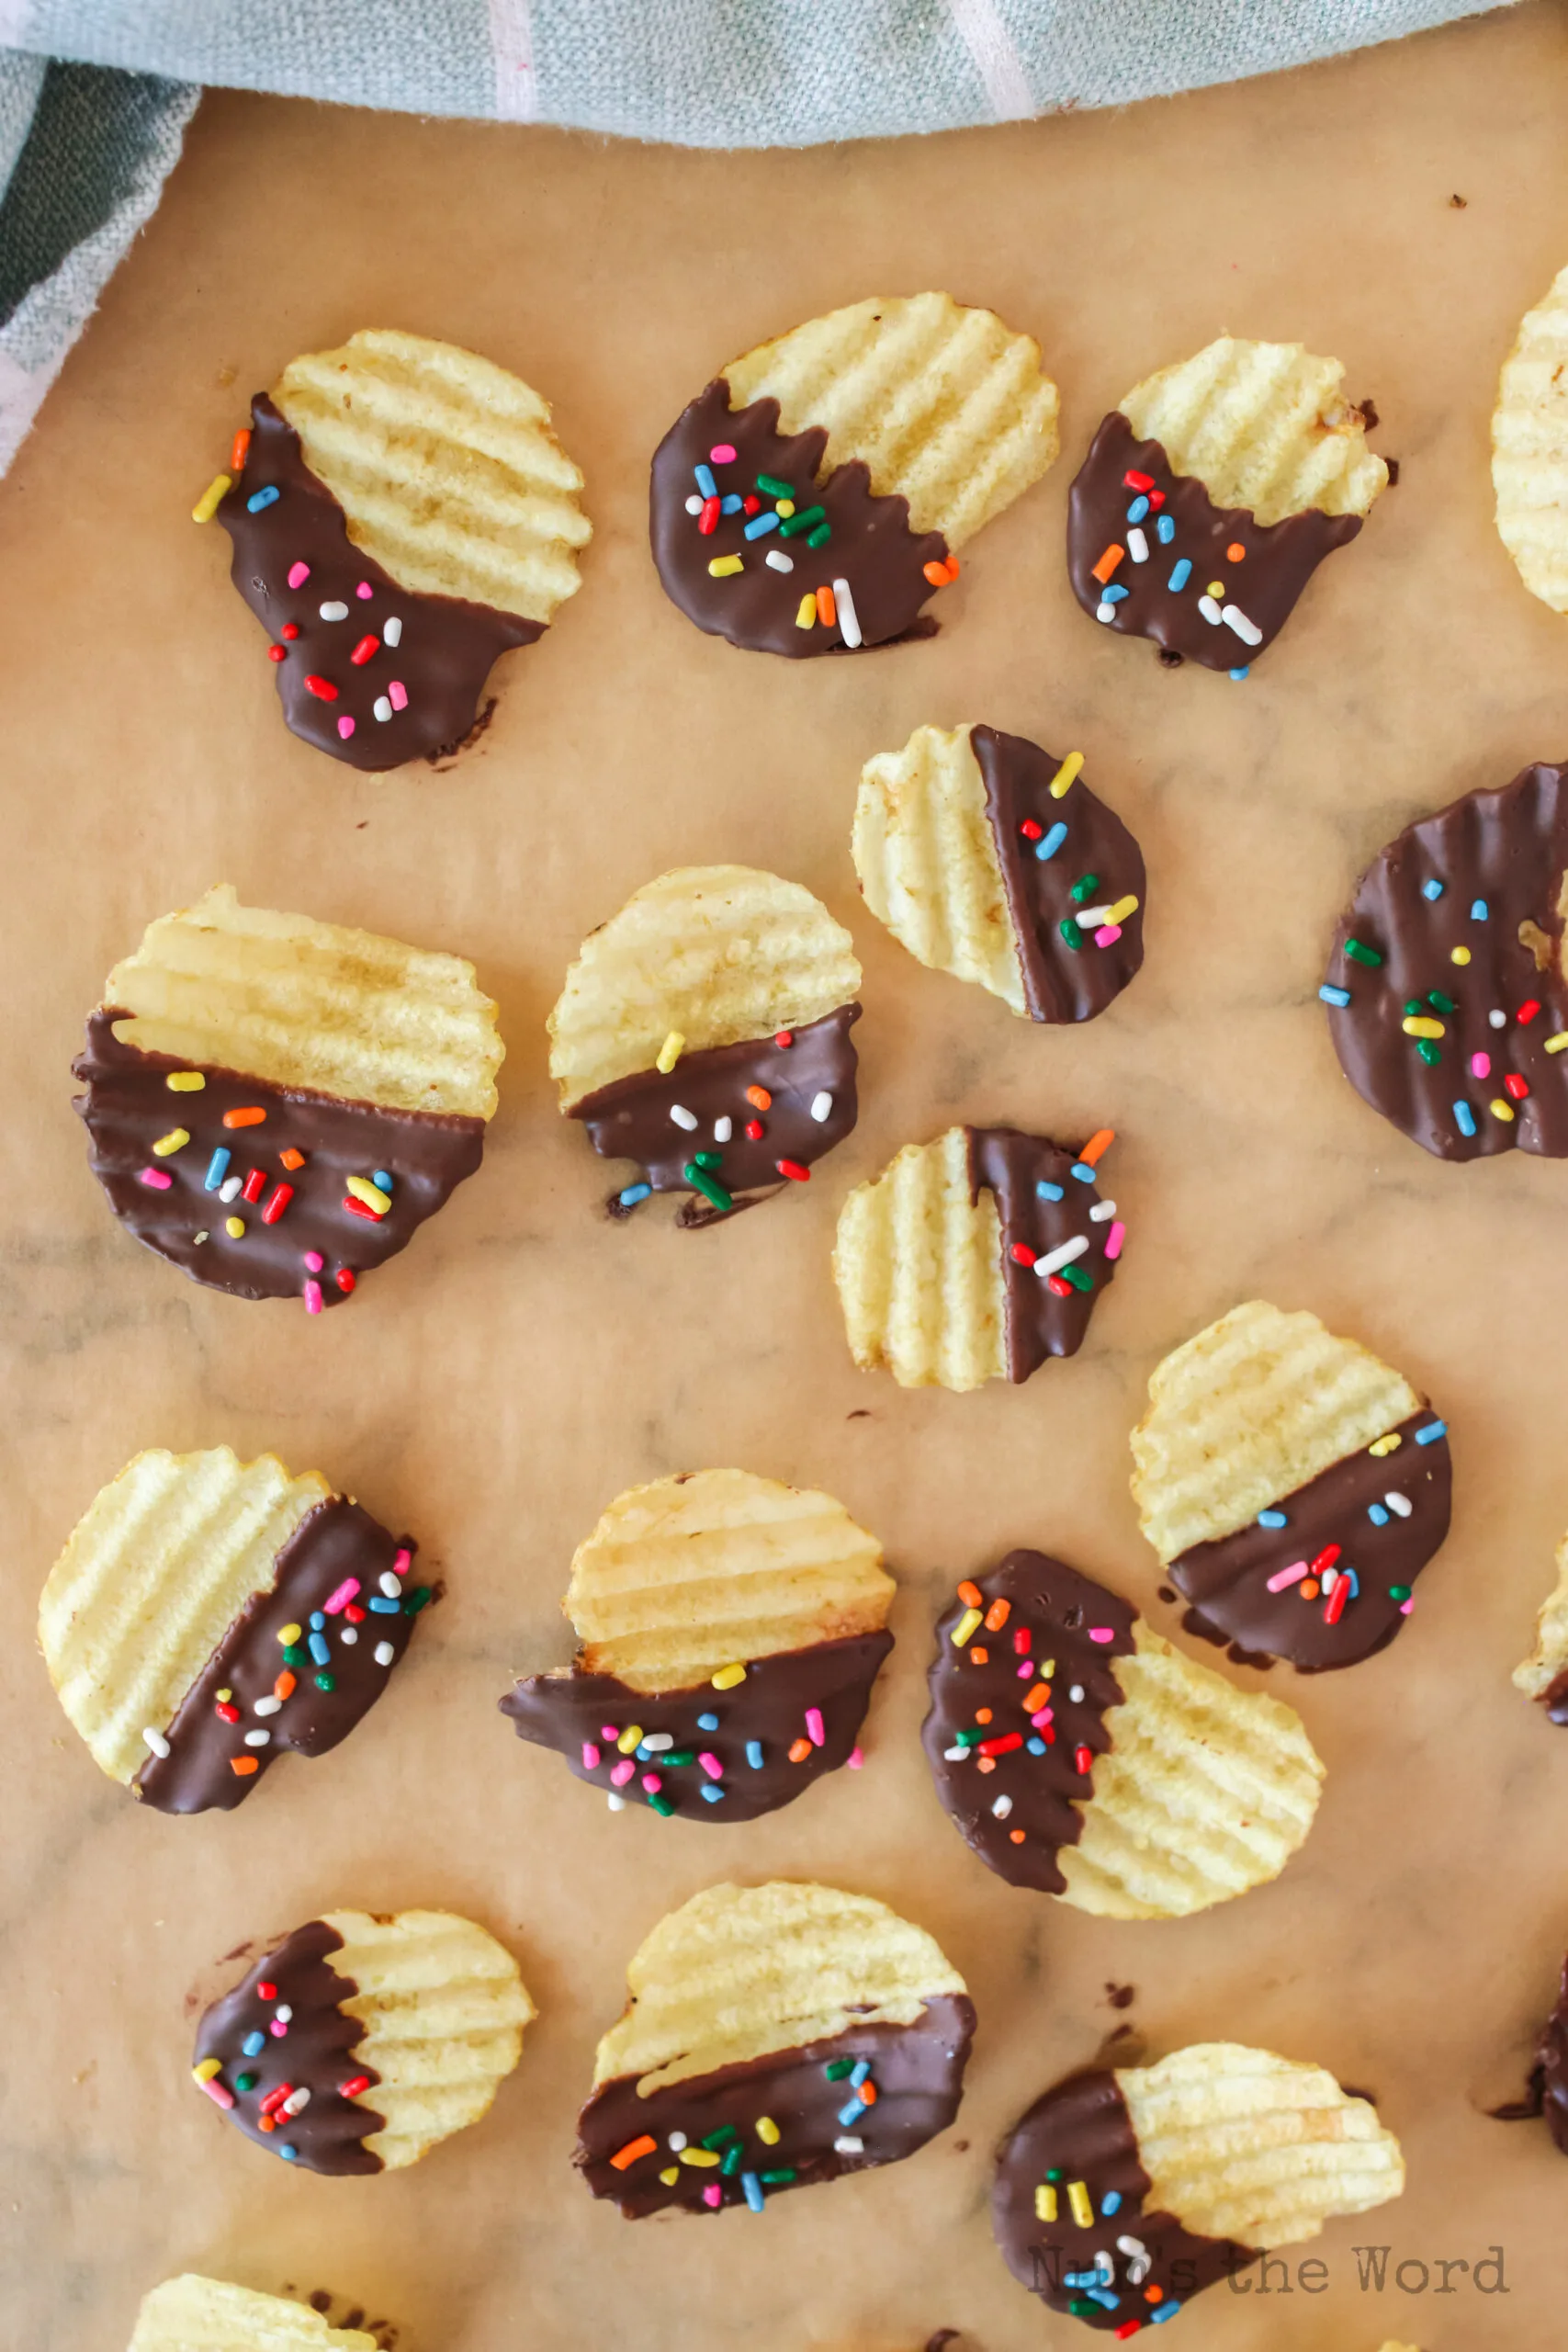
[284, 1687]
[1108, 563]
[1236, 552]
[982, 1714]
[243, 1766]
[633, 2150]
[759, 1097]
[241, 450]
[1309, 1589]
[266, 2123]
[867, 2086]
[978, 1656]
[826, 611]
[250, 1117]
[1097, 1147]
[1017, 1836]
[997, 1615]
[952, 567]
[1154, 2294]
[799, 1749]
[292, 1159]
[987, 1763]
[971, 1595]
[1039, 1697]
[936, 573]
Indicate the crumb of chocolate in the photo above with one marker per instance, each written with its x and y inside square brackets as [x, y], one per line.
[321, 2300]
[960, 2147]
[1392, 465]
[1367, 412]
[860, 1413]
[1169, 658]
[942, 2339]
[1458, 203]
[1166, 1593]
[1121, 1996]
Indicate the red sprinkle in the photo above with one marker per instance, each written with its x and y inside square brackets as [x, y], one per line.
[1324, 1559]
[783, 1036]
[241, 450]
[354, 2085]
[255, 1185]
[1129, 2327]
[1024, 1255]
[1030, 829]
[1138, 482]
[751, 504]
[1057, 1287]
[1084, 1759]
[1529, 1010]
[345, 1279]
[229, 1713]
[290, 630]
[753, 1131]
[1003, 1745]
[364, 650]
[1023, 1641]
[1337, 1600]
[323, 687]
[282, 1195]
[707, 521]
[1515, 1087]
[794, 1172]
[1156, 498]
[354, 1612]
[275, 2099]
[359, 1208]
[267, 1992]
[277, 654]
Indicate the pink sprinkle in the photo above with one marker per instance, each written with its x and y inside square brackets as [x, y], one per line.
[312, 1297]
[340, 1598]
[398, 695]
[403, 1560]
[590, 1756]
[314, 1262]
[1405, 1607]
[713, 2194]
[622, 1773]
[608, 1731]
[1026, 1670]
[1282, 1578]
[278, 2028]
[711, 1765]
[216, 2094]
[1114, 1238]
[856, 1759]
[1481, 1065]
[722, 453]
[365, 589]
[346, 728]
[298, 574]
[813, 1731]
[156, 1179]
[1101, 1633]
[652, 1783]
[1108, 934]
[1045, 1715]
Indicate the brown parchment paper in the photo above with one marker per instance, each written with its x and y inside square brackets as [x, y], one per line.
[492, 1389]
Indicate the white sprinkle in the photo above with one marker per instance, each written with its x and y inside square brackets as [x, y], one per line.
[953, 1755]
[1210, 610]
[155, 1741]
[675, 2143]
[1330, 1578]
[230, 1188]
[1090, 918]
[382, 708]
[1248, 631]
[682, 1117]
[268, 1706]
[392, 633]
[1399, 1505]
[693, 506]
[847, 2144]
[1105, 612]
[1076, 1694]
[849, 619]
[298, 2101]
[1002, 1807]
[335, 612]
[390, 1584]
[283, 2012]
[656, 1742]
[1498, 1020]
[821, 1106]
[1137, 546]
[723, 1130]
[349, 1634]
[1134, 2247]
[1100, 1211]
[617, 1804]
[385, 1653]
[1063, 1255]
[776, 560]
[258, 1739]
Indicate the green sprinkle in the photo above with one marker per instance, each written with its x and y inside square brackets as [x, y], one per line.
[777, 2180]
[661, 1804]
[296, 1656]
[246, 2081]
[1431, 1054]
[733, 2159]
[1055, 2173]
[839, 2068]
[808, 521]
[1439, 1002]
[819, 537]
[1399, 1592]
[678, 1756]
[1076, 1276]
[771, 486]
[1360, 954]
[1414, 1004]
[1070, 933]
[701, 1181]
[1086, 887]
[707, 1159]
[1079, 2307]
[417, 1600]
[726, 2133]
[326, 1682]
[967, 1739]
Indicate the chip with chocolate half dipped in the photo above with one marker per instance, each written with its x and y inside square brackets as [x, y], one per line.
[1543, 1676]
[704, 1034]
[1529, 442]
[1125, 2192]
[276, 1104]
[1546, 2093]
[195, 2315]
[1210, 496]
[1446, 1000]
[729, 1631]
[363, 2040]
[987, 858]
[814, 498]
[208, 1615]
[1293, 1486]
[403, 515]
[976, 1257]
[1081, 1755]
[776, 2035]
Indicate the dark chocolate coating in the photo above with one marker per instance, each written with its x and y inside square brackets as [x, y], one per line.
[448, 648]
[1081, 2130]
[313, 2053]
[575, 1711]
[128, 1106]
[1507, 850]
[1551, 2076]
[1058, 1612]
[1227, 1582]
[1041, 1322]
[1060, 982]
[872, 546]
[629, 1119]
[1281, 558]
[334, 1542]
[1554, 1699]
[917, 2069]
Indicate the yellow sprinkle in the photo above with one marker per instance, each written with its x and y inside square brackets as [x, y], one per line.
[728, 1677]
[671, 2177]
[1067, 775]
[1044, 1672]
[767, 2130]
[724, 566]
[224, 1697]
[805, 613]
[631, 1737]
[176, 1140]
[211, 498]
[1417, 1025]
[289, 1634]
[1082, 2203]
[184, 1081]
[1216, 587]
[1559, 1043]
[1501, 1110]
[701, 2157]
[1389, 1444]
[207, 2068]
[234, 1226]
[1045, 2202]
[1459, 956]
[669, 1052]
[1122, 908]
[964, 1627]
[784, 508]
[372, 1194]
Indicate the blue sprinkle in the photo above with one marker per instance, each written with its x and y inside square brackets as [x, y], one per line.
[753, 2188]
[1332, 995]
[384, 1178]
[705, 481]
[851, 2115]
[754, 1754]
[1433, 890]
[1138, 509]
[707, 1723]
[1181, 573]
[384, 1608]
[1431, 1433]
[711, 1795]
[1237, 675]
[1354, 1582]
[1464, 1118]
[1112, 595]
[1273, 1519]
[1103, 2296]
[760, 525]
[1053, 842]
[253, 2044]
[644, 1753]
[1083, 1171]
[633, 1195]
[289, 2151]
[1162, 2312]
[1043, 1191]
[321, 1650]
[267, 497]
[1166, 526]
[1376, 1514]
[1078, 2280]
[732, 504]
[216, 1168]
[1478, 910]
[317, 1620]
[859, 2072]
[1110, 2202]
[1035, 1746]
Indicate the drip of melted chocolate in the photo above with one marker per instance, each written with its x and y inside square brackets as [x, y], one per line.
[128, 1106]
[1276, 562]
[871, 544]
[917, 2071]
[1227, 1582]
[632, 1118]
[1547, 2092]
[1099, 860]
[1041, 1203]
[1554, 1699]
[310, 2050]
[293, 557]
[1018, 1712]
[336, 1544]
[1464, 914]
[1080, 2133]
[584, 1716]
